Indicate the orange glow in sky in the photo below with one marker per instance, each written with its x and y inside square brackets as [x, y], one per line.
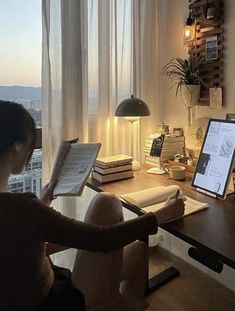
[20, 42]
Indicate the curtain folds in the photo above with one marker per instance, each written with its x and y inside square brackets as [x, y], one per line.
[146, 71]
[95, 54]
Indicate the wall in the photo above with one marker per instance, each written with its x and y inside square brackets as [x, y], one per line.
[174, 112]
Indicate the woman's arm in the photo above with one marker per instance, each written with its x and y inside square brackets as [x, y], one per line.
[53, 227]
[47, 192]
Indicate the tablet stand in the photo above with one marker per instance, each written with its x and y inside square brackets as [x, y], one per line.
[231, 185]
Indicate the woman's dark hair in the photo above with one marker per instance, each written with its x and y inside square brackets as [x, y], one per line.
[16, 125]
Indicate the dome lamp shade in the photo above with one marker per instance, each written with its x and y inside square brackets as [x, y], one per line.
[132, 107]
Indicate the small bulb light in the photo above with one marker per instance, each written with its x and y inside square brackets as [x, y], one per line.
[189, 29]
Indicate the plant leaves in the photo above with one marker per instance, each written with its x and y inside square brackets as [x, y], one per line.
[186, 71]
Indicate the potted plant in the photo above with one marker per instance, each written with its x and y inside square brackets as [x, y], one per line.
[186, 75]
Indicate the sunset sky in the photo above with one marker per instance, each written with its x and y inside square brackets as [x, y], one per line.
[20, 42]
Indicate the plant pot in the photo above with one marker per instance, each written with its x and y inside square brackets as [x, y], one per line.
[190, 94]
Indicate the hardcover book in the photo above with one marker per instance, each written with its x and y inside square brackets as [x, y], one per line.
[114, 169]
[112, 177]
[115, 160]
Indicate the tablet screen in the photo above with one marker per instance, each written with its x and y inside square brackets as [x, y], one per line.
[215, 162]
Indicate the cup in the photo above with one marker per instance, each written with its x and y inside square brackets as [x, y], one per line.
[175, 172]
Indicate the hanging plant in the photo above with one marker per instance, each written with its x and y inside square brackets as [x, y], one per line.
[185, 71]
[186, 75]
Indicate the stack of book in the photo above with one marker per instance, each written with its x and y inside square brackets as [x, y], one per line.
[113, 168]
[160, 148]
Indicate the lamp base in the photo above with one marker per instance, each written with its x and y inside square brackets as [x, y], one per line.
[156, 170]
[136, 165]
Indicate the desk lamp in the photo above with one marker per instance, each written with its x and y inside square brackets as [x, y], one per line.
[132, 109]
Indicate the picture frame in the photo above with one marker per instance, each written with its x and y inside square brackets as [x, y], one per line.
[212, 48]
[230, 116]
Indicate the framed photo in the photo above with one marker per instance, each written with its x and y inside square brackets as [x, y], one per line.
[211, 48]
[230, 116]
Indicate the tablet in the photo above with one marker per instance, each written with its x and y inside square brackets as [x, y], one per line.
[216, 159]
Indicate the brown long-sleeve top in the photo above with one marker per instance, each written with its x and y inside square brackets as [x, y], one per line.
[26, 223]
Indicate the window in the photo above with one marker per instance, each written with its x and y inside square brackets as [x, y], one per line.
[20, 79]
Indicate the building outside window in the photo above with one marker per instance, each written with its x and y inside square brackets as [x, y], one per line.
[31, 179]
[20, 79]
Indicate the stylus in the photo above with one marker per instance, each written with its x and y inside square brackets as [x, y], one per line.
[177, 194]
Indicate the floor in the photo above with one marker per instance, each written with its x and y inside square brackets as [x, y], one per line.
[193, 290]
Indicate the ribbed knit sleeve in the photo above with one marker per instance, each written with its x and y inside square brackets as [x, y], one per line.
[53, 227]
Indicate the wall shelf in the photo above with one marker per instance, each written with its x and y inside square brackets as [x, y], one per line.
[206, 28]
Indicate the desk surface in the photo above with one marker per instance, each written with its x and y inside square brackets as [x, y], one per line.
[212, 230]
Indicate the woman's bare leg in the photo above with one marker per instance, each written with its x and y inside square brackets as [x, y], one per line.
[98, 275]
[135, 272]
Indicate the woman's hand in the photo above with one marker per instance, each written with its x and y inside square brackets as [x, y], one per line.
[173, 209]
[47, 192]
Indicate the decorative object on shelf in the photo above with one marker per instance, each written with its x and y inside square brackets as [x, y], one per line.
[192, 162]
[186, 75]
[212, 48]
[212, 10]
[208, 16]
[132, 109]
[230, 116]
[194, 136]
[163, 128]
[178, 131]
[161, 147]
[180, 158]
[216, 97]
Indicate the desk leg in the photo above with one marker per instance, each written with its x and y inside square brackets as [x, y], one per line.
[161, 279]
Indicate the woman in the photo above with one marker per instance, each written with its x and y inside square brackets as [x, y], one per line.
[28, 280]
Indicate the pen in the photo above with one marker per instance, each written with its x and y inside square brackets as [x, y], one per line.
[177, 194]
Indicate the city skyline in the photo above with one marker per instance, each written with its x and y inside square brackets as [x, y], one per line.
[21, 37]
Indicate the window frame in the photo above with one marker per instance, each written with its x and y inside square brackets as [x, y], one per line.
[38, 142]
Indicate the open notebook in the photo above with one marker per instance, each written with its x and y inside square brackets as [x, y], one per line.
[152, 199]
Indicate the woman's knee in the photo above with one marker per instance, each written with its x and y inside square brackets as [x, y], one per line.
[138, 248]
[105, 208]
[135, 260]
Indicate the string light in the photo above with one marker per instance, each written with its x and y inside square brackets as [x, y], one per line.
[189, 29]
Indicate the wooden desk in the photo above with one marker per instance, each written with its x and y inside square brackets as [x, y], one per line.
[211, 230]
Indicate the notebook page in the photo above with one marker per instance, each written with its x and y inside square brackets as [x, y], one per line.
[191, 206]
[76, 168]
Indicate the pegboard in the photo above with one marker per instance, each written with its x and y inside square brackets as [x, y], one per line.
[206, 28]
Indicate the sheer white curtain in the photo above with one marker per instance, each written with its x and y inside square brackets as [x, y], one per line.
[146, 68]
[96, 53]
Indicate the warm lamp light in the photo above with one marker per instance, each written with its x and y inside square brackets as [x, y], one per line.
[132, 109]
[189, 30]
